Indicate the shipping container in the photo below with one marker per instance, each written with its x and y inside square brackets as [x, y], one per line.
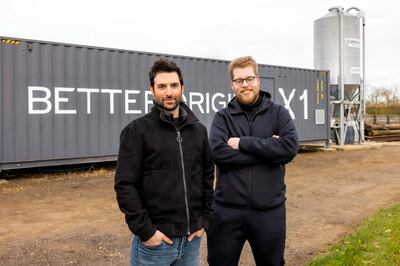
[64, 103]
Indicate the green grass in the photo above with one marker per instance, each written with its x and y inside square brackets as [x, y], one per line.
[377, 242]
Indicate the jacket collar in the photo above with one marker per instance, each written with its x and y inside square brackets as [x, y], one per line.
[234, 106]
[184, 109]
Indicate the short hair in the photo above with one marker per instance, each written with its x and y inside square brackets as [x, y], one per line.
[163, 65]
[242, 62]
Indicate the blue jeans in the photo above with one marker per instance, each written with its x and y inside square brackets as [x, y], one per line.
[180, 253]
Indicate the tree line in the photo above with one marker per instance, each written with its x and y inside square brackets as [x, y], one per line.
[384, 101]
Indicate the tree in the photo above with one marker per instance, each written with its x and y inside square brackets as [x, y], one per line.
[384, 100]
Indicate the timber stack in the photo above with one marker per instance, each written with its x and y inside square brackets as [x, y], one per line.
[382, 132]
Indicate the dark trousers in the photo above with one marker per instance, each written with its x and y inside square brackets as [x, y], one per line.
[265, 230]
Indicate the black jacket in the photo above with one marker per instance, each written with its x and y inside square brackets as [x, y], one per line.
[252, 177]
[164, 175]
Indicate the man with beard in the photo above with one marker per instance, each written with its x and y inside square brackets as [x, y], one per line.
[251, 141]
[164, 176]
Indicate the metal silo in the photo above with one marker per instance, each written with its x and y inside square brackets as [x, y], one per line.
[339, 48]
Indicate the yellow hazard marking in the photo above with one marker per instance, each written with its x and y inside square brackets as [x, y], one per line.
[9, 41]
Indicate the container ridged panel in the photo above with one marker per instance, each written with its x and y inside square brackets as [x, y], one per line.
[83, 125]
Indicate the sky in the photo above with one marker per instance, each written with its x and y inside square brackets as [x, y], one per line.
[273, 32]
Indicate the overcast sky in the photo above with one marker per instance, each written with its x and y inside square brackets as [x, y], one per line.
[274, 32]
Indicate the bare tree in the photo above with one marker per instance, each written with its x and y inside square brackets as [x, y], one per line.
[376, 97]
[384, 95]
[384, 101]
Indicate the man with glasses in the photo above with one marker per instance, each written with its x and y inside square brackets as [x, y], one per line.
[251, 141]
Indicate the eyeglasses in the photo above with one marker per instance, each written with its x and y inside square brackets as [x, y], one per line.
[249, 80]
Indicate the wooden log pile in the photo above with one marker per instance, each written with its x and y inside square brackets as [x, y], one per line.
[382, 132]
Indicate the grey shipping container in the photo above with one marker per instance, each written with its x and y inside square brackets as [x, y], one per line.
[64, 103]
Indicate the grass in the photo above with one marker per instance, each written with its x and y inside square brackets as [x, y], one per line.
[377, 242]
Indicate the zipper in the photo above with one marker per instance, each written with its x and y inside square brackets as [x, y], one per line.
[179, 139]
[251, 122]
[251, 188]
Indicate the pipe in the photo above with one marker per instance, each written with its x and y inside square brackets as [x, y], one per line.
[363, 83]
[361, 14]
[341, 80]
[339, 9]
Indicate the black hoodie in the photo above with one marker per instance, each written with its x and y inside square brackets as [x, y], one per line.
[252, 177]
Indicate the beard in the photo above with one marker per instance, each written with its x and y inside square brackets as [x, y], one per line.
[161, 102]
[248, 99]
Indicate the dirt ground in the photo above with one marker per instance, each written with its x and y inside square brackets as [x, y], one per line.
[73, 218]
